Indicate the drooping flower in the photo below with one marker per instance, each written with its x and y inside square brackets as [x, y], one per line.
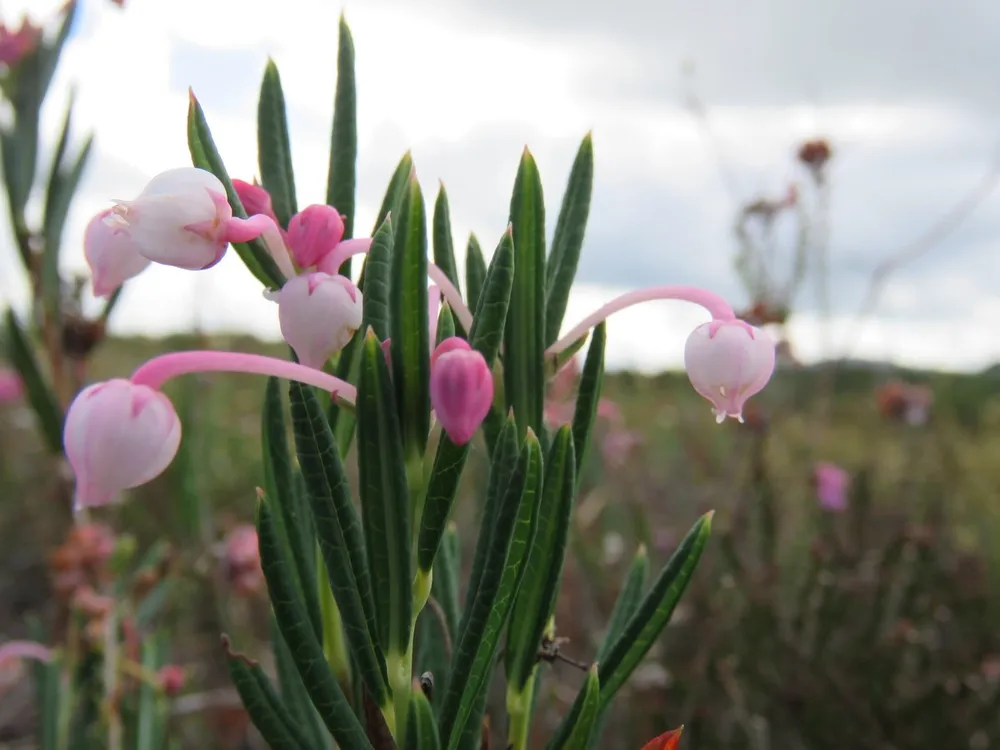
[313, 233]
[118, 435]
[461, 388]
[727, 363]
[111, 254]
[831, 483]
[319, 314]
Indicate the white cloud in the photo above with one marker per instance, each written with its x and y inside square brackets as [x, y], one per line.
[429, 81]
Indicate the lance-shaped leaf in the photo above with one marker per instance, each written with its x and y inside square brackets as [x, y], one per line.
[305, 648]
[422, 733]
[43, 401]
[568, 239]
[586, 719]
[445, 324]
[449, 460]
[625, 606]
[339, 533]
[385, 501]
[343, 421]
[648, 621]
[298, 707]
[294, 526]
[588, 395]
[266, 709]
[524, 335]
[437, 626]
[274, 149]
[444, 248]
[342, 174]
[536, 597]
[408, 321]
[475, 271]
[492, 599]
[378, 280]
[206, 156]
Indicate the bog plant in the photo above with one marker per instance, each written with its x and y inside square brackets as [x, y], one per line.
[375, 646]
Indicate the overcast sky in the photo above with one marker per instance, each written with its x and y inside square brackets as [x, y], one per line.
[905, 90]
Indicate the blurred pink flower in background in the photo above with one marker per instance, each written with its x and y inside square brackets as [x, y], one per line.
[12, 657]
[831, 483]
[241, 560]
[560, 404]
[617, 446]
[14, 45]
[11, 387]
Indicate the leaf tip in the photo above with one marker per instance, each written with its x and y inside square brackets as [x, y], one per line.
[641, 551]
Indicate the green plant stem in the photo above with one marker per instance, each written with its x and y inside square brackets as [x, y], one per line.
[519, 705]
[111, 681]
[400, 681]
[333, 630]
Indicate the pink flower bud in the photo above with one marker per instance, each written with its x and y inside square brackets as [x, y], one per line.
[171, 678]
[461, 388]
[118, 435]
[319, 314]
[15, 45]
[727, 363]
[180, 219]
[111, 254]
[11, 386]
[831, 484]
[313, 232]
[255, 199]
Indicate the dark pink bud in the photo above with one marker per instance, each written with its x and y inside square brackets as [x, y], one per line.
[171, 678]
[461, 388]
[313, 232]
[255, 199]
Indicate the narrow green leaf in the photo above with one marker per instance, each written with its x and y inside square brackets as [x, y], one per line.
[378, 278]
[43, 401]
[274, 149]
[305, 648]
[524, 335]
[475, 272]
[205, 155]
[536, 598]
[408, 322]
[438, 622]
[449, 459]
[293, 527]
[150, 709]
[445, 324]
[444, 248]
[648, 621]
[567, 241]
[294, 697]
[422, 733]
[385, 500]
[262, 703]
[58, 198]
[339, 533]
[392, 200]
[625, 606]
[342, 175]
[509, 537]
[586, 719]
[588, 395]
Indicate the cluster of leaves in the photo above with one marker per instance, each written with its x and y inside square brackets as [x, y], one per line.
[353, 592]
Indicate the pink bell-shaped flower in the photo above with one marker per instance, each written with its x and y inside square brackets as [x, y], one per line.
[313, 233]
[461, 388]
[728, 361]
[180, 219]
[111, 254]
[319, 314]
[118, 435]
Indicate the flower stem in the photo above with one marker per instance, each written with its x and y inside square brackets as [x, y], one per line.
[263, 226]
[158, 370]
[716, 305]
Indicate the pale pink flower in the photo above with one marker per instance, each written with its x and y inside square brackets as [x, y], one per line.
[319, 313]
[112, 255]
[727, 363]
[461, 388]
[11, 386]
[241, 559]
[118, 435]
[832, 484]
[618, 445]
